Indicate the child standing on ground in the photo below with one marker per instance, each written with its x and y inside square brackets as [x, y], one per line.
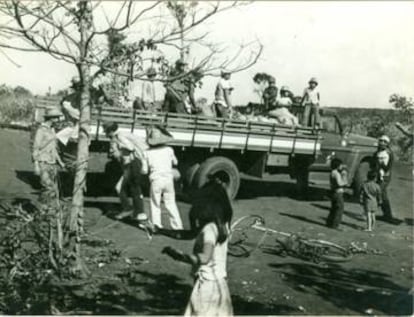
[338, 181]
[210, 217]
[370, 199]
[160, 161]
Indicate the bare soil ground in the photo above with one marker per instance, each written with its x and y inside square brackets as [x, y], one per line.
[143, 281]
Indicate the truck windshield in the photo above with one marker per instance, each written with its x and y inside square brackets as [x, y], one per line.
[330, 124]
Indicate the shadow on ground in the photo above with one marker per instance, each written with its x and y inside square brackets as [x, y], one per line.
[353, 289]
[256, 188]
[142, 293]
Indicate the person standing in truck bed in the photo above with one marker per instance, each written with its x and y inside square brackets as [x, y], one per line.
[270, 95]
[222, 95]
[310, 101]
[179, 89]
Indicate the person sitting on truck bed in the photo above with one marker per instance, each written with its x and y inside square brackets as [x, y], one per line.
[222, 95]
[311, 100]
[282, 113]
[179, 90]
[270, 95]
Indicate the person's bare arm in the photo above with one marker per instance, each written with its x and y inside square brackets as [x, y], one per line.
[202, 257]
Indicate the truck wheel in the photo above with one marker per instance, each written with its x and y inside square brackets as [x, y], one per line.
[224, 169]
[189, 174]
[360, 177]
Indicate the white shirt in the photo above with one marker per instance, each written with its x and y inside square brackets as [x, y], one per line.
[284, 101]
[222, 85]
[311, 95]
[160, 161]
[216, 268]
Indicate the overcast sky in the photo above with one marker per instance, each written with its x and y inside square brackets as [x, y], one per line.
[361, 52]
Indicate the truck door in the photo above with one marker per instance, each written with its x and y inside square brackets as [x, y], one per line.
[332, 143]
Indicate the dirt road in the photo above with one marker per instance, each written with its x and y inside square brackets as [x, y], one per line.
[147, 282]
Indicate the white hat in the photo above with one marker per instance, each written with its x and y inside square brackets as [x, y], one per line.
[225, 71]
[384, 138]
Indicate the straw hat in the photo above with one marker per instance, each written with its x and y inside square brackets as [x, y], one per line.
[52, 113]
[284, 88]
[158, 135]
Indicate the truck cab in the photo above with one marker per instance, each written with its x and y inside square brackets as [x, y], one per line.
[338, 141]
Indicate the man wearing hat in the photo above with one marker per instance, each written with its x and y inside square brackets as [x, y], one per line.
[383, 160]
[71, 103]
[222, 95]
[46, 157]
[270, 95]
[129, 150]
[179, 90]
[160, 162]
[310, 101]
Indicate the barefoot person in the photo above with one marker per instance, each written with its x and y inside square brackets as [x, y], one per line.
[210, 216]
[160, 161]
[46, 158]
[370, 199]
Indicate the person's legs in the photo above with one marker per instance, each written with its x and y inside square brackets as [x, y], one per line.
[222, 112]
[373, 220]
[155, 202]
[48, 181]
[315, 116]
[368, 219]
[386, 206]
[339, 210]
[329, 220]
[123, 193]
[171, 206]
[135, 190]
[306, 114]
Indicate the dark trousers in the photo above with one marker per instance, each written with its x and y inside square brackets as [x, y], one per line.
[311, 115]
[386, 205]
[132, 184]
[222, 111]
[337, 209]
[173, 104]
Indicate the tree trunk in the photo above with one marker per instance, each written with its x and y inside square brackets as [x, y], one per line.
[79, 186]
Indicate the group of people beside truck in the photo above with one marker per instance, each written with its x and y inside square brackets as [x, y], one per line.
[373, 194]
[210, 215]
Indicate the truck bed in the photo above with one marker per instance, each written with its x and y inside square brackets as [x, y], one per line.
[214, 133]
[203, 132]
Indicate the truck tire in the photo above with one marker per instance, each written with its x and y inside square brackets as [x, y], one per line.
[224, 169]
[359, 177]
[189, 175]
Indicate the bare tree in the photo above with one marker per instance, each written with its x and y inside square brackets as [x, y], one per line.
[73, 32]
